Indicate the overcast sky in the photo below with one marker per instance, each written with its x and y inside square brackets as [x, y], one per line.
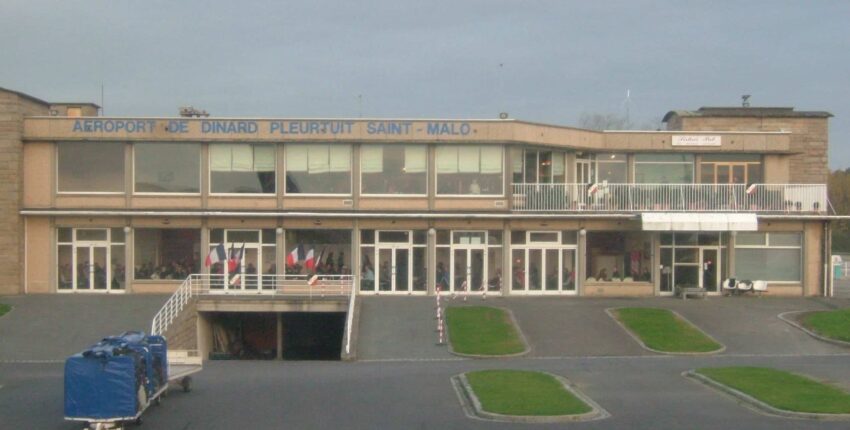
[546, 61]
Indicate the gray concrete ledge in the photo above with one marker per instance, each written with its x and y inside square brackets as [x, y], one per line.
[758, 405]
[610, 312]
[473, 409]
[521, 335]
[792, 319]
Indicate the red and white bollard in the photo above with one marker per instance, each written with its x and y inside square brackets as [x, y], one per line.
[441, 336]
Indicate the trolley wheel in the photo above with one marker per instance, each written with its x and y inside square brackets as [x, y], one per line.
[186, 383]
[158, 400]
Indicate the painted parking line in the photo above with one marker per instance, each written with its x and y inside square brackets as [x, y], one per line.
[613, 357]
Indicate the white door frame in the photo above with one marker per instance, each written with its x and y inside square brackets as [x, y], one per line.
[717, 268]
[393, 250]
[543, 247]
[468, 249]
[91, 245]
[258, 246]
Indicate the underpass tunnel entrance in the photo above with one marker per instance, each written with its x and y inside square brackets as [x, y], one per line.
[273, 335]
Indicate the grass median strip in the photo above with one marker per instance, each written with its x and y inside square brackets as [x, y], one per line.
[782, 390]
[831, 324]
[4, 308]
[482, 330]
[524, 393]
[662, 330]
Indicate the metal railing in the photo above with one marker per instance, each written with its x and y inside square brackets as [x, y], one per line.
[349, 321]
[250, 285]
[605, 197]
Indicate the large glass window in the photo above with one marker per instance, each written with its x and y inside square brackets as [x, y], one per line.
[611, 168]
[90, 259]
[166, 253]
[731, 169]
[393, 261]
[664, 168]
[89, 167]
[469, 261]
[330, 249]
[532, 166]
[242, 168]
[769, 256]
[394, 169]
[167, 167]
[318, 169]
[469, 170]
[619, 256]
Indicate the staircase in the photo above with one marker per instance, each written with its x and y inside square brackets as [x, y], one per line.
[177, 320]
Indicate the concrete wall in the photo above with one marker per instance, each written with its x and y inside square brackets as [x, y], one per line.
[13, 108]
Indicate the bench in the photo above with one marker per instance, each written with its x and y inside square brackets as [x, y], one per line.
[685, 291]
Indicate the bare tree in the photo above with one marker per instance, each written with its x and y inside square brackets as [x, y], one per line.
[612, 121]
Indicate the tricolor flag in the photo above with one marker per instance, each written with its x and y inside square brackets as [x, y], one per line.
[235, 258]
[309, 261]
[294, 256]
[218, 254]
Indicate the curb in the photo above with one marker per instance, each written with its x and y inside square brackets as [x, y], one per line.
[758, 405]
[785, 316]
[634, 336]
[516, 354]
[472, 406]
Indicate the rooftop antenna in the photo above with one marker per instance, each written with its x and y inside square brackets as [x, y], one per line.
[501, 94]
[102, 106]
[627, 103]
[745, 100]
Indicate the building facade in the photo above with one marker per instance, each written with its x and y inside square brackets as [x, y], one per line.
[91, 204]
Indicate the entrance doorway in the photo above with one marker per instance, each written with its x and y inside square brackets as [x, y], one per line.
[693, 259]
[245, 274]
[393, 268]
[399, 257]
[545, 264]
[91, 260]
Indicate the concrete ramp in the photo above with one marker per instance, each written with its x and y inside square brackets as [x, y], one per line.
[398, 328]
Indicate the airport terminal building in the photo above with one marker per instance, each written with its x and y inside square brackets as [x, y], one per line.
[95, 205]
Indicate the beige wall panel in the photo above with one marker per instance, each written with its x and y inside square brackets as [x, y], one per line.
[459, 224]
[158, 222]
[812, 261]
[91, 201]
[784, 290]
[81, 222]
[38, 247]
[152, 287]
[393, 203]
[237, 223]
[315, 203]
[618, 289]
[776, 169]
[307, 223]
[543, 224]
[243, 203]
[388, 224]
[38, 174]
[464, 203]
[170, 202]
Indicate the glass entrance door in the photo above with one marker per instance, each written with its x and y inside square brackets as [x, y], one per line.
[710, 268]
[394, 268]
[91, 268]
[544, 270]
[469, 271]
[730, 173]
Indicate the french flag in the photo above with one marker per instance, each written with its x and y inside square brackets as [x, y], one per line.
[296, 255]
[235, 258]
[217, 255]
[309, 262]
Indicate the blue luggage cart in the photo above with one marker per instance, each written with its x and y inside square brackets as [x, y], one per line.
[114, 381]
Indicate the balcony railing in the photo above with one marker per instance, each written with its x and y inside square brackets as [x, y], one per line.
[602, 197]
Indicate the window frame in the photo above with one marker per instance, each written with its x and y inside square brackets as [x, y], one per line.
[350, 170]
[428, 170]
[209, 170]
[90, 193]
[477, 196]
[768, 246]
[693, 164]
[158, 193]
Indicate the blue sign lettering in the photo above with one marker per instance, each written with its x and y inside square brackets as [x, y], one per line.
[178, 126]
[449, 129]
[311, 127]
[228, 127]
[388, 127]
[114, 125]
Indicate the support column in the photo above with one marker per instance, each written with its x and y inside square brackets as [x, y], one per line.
[731, 263]
[507, 260]
[431, 263]
[582, 261]
[279, 336]
[205, 244]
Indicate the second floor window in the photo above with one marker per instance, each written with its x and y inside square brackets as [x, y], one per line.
[90, 167]
[318, 169]
[242, 168]
[469, 170]
[394, 169]
[611, 168]
[664, 168]
[167, 167]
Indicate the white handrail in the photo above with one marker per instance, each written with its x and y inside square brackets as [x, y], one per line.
[608, 197]
[349, 322]
[254, 284]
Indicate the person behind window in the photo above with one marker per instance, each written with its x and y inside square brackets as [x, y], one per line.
[615, 274]
[442, 277]
[602, 275]
[495, 283]
[474, 187]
